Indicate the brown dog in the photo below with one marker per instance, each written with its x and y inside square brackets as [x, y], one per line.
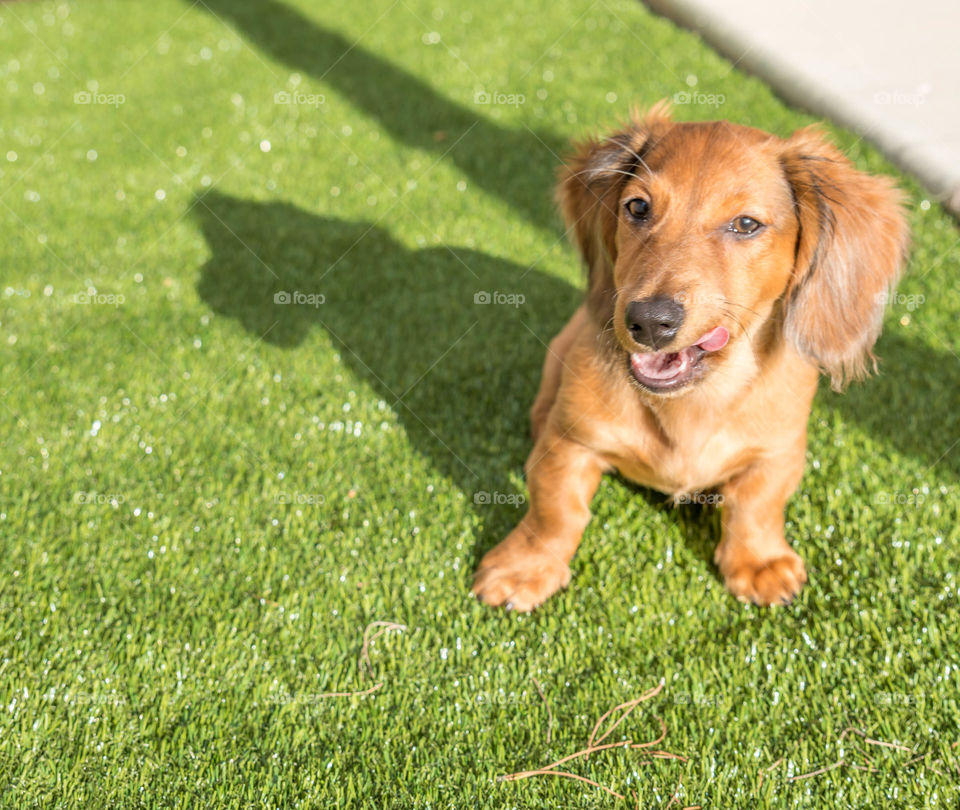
[727, 268]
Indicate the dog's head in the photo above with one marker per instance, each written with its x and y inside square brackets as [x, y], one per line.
[702, 237]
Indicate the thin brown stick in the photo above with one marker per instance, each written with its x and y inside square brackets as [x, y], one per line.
[870, 741]
[773, 767]
[546, 703]
[676, 794]
[595, 744]
[629, 706]
[358, 693]
[385, 627]
[577, 755]
[896, 747]
[663, 734]
[863, 753]
[365, 660]
[769, 769]
[668, 755]
[514, 776]
[816, 772]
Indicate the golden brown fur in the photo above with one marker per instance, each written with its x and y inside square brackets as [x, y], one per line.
[802, 295]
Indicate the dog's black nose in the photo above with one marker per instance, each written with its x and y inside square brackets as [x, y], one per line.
[654, 322]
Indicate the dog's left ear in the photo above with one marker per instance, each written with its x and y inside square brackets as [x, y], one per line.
[588, 191]
[850, 251]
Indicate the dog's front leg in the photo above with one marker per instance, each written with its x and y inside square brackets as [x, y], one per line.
[532, 562]
[753, 556]
[553, 366]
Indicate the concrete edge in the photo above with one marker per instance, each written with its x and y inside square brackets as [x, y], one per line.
[808, 95]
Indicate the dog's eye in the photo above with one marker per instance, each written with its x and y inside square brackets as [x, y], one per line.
[745, 225]
[638, 208]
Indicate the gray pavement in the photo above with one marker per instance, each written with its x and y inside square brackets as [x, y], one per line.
[888, 71]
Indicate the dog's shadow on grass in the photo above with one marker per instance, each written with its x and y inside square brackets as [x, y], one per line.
[453, 341]
[911, 404]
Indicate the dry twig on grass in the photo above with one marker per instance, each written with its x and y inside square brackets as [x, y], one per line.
[365, 665]
[545, 772]
[769, 769]
[869, 767]
[868, 741]
[676, 794]
[512, 777]
[595, 744]
[385, 627]
[629, 706]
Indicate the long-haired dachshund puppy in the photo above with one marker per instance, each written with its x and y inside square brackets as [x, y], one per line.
[727, 268]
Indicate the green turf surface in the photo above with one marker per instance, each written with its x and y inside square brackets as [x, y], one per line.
[206, 494]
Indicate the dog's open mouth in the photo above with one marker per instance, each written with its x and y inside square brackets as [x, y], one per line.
[665, 371]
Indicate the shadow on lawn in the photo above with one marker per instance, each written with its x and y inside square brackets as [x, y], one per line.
[461, 375]
[516, 165]
[911, 404]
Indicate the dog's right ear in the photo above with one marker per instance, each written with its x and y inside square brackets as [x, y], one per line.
[588, 195]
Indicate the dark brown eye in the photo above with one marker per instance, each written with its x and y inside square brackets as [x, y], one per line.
[638, 208]
[745, 226]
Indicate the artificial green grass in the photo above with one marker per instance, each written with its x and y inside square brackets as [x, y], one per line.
[205, 496]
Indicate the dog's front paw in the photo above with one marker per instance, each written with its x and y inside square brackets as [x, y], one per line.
[519, 576]
[775, 581]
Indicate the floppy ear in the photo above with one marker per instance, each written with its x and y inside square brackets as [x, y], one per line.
[850, 250]
[588, 194]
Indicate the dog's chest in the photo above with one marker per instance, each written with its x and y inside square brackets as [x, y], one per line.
[697, 457]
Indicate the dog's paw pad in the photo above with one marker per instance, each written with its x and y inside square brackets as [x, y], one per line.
[519, 581]
[771, 582]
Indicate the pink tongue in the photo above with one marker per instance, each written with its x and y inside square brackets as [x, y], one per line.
[714, 339]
